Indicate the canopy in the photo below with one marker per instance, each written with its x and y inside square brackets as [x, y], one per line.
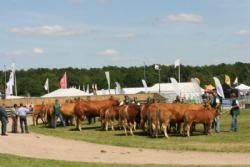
[66, 93]
[243, 89]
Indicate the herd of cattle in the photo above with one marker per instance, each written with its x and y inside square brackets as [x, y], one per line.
[151, 117]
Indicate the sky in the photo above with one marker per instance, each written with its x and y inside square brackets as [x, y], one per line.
[97, 33]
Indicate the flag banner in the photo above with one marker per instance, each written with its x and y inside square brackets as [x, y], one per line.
[177, 63]
[87, 89]
[46, 85]
[157, 67]
[197, 88]
[227, 80]
[108, 79]
[9, 89]
[236, 81]
[83, 88]
[118, 88]
[96, 87]
[218, 87]
[144, 85]
[12, 79]
[176, 86]
[63, 81]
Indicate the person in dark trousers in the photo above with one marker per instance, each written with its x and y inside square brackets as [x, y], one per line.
[234, 112]
[22, 113]
[57, 114]
[4, 120]
[14, 118]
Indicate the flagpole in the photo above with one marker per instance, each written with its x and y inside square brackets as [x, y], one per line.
[15, 84]
[179, 73]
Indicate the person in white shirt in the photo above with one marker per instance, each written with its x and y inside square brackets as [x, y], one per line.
[22, 113]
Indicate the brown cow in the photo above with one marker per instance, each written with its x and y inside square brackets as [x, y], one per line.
[108, 116]
[92, 108]
[39, 111]
[204, 116]
[161, 114]
[144, 115]
[129, 115]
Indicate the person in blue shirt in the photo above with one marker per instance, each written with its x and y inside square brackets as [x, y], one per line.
[4, 120]
[22, 113]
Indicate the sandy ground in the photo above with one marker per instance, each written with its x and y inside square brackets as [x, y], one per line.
[46, 147]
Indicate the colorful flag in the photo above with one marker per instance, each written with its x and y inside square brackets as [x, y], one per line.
[177, 63]
[63, 81]
[46, 85]
[218, 87]
[227, 80]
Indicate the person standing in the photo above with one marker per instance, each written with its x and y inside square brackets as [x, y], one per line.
[22, 113]
[235, 111]
[57, 114]
[14, 118]
[216, 104]
[4, 120]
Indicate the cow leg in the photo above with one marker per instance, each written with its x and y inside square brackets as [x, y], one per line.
[131, 126]
[78, 124]
[164, 127]
[124, 127]
[188, 130]
[112, 125]
[134, 125]
[107, 125]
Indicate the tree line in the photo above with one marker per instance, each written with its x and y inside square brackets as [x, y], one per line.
[31, 82]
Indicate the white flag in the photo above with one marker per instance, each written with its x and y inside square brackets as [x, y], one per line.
[87, 89]
[218, 86]
[176, 86]
[236, 81]
[177, 63]
[12, 79]
[157, 67]
[83, 88]
[118, 88]
[9, 89]
[144, 85]
[108, 79]
[46, 85]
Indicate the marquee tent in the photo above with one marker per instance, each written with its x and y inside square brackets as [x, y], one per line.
[69, 92]
[243, 89]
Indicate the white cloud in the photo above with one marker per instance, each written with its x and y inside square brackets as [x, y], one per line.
[127, 35]
[185, 17]
[109, 52]
[243, 32]
[38, 51]
[50, 30]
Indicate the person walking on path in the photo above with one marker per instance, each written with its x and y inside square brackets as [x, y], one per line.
[234, 112]
[22, 113]
[14, 118]
[4, 120]
[57, 114]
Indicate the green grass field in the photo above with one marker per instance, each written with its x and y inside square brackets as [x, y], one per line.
[222, 142]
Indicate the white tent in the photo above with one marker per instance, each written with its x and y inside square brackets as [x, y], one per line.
[243, 89]
[168, 90]
[69, 92]
[14, 97]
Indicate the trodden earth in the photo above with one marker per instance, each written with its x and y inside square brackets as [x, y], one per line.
[47, 147]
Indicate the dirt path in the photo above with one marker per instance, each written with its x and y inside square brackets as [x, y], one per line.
[40, 146]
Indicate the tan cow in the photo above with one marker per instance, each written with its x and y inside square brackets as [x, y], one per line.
[90, 108]
[204, 116]
[129, 115]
